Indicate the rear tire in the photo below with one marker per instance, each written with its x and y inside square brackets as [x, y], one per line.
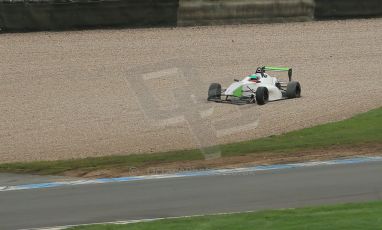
[262, 95]
[293, 89]
[214, 92]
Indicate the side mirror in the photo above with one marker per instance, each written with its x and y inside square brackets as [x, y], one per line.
[236, 80]
[290, 74]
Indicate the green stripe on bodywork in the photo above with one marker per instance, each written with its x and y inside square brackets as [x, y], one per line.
[238, 92]
[270, 68]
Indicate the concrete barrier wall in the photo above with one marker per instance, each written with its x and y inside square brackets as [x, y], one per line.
[347, 8]
[19, 15]
[207, 12]
[29, 15]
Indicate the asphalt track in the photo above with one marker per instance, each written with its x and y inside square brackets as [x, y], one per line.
[285, 188]
[72, 94]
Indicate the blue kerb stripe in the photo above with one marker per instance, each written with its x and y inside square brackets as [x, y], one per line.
[195, 173]
[192, 173]
[123, 179]
[42, 185]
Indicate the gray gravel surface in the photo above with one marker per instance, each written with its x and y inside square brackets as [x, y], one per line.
[69, 94]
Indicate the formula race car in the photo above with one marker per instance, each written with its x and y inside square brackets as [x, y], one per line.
[258, 88]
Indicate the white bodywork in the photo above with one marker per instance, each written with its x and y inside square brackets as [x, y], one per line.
[249, 87]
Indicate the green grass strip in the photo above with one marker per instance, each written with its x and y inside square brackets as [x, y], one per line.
[345, 216]
[362, 129]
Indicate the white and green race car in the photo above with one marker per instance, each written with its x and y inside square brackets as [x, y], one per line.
[258, 88]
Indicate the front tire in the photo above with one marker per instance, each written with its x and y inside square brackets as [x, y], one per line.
[214, 92]
[262, 95]
[293, 89]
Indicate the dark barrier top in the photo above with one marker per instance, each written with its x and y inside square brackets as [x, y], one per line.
[17, 15]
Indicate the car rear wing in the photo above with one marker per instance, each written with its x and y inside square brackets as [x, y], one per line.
[278, 69]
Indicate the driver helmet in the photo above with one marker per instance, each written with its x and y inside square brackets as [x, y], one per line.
[253, 77]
